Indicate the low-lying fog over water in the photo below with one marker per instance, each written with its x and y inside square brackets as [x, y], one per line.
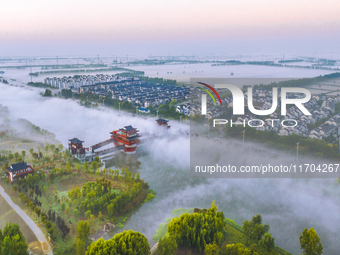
[288, 205]
[183, 72]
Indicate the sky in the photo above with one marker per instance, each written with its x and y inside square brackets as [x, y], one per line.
[168, 27]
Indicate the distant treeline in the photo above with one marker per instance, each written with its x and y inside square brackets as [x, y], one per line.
[72, 66]
[129, 71]
[281, 63]
[40, 85]
[290, 61]
[295, 83]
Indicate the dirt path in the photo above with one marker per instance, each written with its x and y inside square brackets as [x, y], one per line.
[30, 223]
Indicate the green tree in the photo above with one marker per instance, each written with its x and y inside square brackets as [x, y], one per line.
[87, 214]
[94, 165]
[236, 249]
[100, 216]
[247, 225]
[92, 218]
[83, 230]
[86, 167]
[194, 231]
[211, 249]
[48, 93]
[167, 246]
[267, 244]
[67, 210]
[254, 230]
[310, 242]
[12, 240]
[75, 213]
[126, 243]
[37, 210]
[23, 154]
[81, 247]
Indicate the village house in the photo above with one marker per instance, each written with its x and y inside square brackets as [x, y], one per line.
[19, 171]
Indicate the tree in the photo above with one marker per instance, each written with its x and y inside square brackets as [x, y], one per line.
[88, 214]
[211, 249]
[184, 229]
[67, 210]
[23, 154]
[92, 217]
[12, 240]
[100, 216]
[81, 247]
[267, 244]
[86, 167]
[75, 213]
[94, 165]
[126, 243]
[37, 211]
[247, 229]
[29, 179]
[236, 249]
[83, 230]
[167, 246]
[254, 230]
[310, 242]
[102, 247]
[48, 93]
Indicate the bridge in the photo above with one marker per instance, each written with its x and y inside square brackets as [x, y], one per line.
[101, 144]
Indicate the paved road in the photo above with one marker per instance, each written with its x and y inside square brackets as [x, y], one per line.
[30, 223]
[154, 248]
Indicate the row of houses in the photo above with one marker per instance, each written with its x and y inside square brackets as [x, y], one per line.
[137, 91]
[77, 81]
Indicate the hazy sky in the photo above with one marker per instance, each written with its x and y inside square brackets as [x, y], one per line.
[162, 27]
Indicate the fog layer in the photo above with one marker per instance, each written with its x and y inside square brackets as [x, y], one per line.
[288, 205]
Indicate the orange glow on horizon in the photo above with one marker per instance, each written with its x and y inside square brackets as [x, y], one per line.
[159, 20]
